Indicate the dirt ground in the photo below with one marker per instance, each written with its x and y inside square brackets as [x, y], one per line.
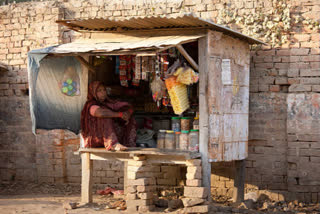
[29, 198]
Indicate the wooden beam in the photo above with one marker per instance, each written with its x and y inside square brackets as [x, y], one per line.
[188, 57]
[125, 177]
[86, 178]
[86, 64]
[239, 179]
[203, 112]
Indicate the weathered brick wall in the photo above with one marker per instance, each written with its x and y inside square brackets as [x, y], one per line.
[278, 150]
[23, 27]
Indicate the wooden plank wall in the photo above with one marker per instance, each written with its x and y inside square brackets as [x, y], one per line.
[228, 98]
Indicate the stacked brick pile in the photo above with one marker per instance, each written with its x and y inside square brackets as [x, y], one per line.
[193, 192]
[141, 186]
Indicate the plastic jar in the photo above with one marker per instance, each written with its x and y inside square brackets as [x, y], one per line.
[184, 140]
[196, 123]
[177, 136]
[194, 140]
[185, 123]
[161, 139]
[175, 124]
[170, 140]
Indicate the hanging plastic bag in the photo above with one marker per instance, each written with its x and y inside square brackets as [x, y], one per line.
[70, 84]
[158, 89]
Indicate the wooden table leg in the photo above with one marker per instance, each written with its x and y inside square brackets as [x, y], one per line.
[239, 180]
[86, 179]
[125, 177]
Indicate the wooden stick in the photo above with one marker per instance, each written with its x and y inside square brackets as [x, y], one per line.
[239, 180]
[86, 64]
[204, 113]
[86, 178]
[188, 57]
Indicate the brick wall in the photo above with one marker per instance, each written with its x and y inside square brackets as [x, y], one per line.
[281, 142]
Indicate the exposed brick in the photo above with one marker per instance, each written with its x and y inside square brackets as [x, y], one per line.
[145, 195]
[283, 52]
[146, 188]
[4, 86]
[139, 202]
[197, 209]
[311, 58]
[194, 182]
[131, 196]
[299, 51]
[148, 208]
[196, 192]
[301, 37]
[193, 162]
[274, 88]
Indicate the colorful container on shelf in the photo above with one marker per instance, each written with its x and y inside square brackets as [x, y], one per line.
[175, 124]
[185, 123]
[194, 140]
[161, 139]
[170, 140]
[184, 140]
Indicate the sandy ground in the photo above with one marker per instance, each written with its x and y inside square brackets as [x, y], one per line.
[29, 198]
[53, 204]
[48, 204]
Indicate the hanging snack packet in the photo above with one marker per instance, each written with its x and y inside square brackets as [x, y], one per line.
[70, 84]
[158, 89]
[186, 75]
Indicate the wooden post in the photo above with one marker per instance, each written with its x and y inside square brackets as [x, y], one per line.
[125, 177]
[239, 180]
[86, 179]
[188, 57]
[203, 112]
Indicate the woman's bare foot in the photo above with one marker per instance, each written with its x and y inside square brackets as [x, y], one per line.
[118, 147]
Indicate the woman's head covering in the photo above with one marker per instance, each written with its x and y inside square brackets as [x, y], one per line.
[92, 90]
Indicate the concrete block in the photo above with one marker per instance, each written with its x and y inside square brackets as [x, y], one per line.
[197, 209]
[146, 188]
[145, 195]
[193, 162]
[196, 192]
[139, 202]
[148, 208]
[194, 182]
[131, 196]
[190, 202]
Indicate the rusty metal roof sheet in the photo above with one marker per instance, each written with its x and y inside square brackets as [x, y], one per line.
[150, 23]
[125, 43]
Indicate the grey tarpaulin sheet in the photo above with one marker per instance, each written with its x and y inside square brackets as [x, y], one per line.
[49, 107]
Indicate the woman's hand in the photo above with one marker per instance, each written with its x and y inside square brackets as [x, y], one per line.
[126, 116]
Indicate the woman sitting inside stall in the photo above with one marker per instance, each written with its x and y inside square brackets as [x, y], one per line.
[105, 122]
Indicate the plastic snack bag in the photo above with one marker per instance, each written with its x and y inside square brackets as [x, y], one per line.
[70, 84]
[158, 89]
[186, 75]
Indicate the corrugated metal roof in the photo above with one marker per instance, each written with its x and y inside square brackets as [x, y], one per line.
[121, 43]
[150, 23]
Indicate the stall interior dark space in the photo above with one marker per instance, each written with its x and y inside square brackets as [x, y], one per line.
[148, 93]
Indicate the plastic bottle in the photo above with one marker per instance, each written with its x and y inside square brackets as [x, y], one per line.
[177, 136]
[184, 140]
[194, 140]
[175, 124]
[170, 140]
[161, 139]
[196, 123]
[185, 123]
